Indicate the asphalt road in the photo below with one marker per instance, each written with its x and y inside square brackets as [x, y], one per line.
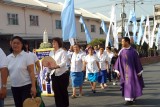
[112, 95]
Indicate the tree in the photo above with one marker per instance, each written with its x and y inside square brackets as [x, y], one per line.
[98, 41]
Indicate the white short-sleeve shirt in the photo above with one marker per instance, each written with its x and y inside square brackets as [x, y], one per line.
[110, 55]
[3, 62]
[102, 61]
[77, 62]
[34, 58]
[17, 66]
[91, 61]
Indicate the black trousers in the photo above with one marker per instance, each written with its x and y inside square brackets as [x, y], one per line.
[60, 88]
[20, 94]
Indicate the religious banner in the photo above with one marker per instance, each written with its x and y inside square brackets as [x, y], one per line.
[45, 85]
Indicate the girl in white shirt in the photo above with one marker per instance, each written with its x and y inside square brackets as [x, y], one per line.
[21, 72]
[92, 67]
[76, 70]
[103, 62]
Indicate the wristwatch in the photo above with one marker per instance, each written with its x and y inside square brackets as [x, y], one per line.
[4, 86]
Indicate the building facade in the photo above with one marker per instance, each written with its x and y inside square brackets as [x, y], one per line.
[157, 13]
[30, 18]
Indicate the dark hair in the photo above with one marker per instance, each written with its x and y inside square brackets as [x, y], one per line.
[59, 41]
[21, 40]
[77, 45]
[108, 47]
[90, 48]
[26, 43]
[102, 46]
[115, 50]
[126, 39]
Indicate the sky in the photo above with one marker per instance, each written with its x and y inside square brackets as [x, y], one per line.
[104, 6]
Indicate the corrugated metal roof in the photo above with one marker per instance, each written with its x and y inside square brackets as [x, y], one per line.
[101, 16]
[26, 3]
[54, 7]
[87, 14]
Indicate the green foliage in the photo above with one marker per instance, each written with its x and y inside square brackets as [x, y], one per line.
[45, 45]
[98, 41]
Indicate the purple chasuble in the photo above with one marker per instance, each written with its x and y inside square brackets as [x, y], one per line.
[129, 65]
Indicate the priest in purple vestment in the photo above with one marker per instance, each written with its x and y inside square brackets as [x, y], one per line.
[129, 68]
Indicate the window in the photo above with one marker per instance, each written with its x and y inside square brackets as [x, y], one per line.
[82, 28]
[101, 30]
[157, 17]
[93, 28]
[34, 20]
[58, 24]
[156, 10]
[12, 19]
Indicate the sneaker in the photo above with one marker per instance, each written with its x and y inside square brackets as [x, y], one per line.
[73, 96]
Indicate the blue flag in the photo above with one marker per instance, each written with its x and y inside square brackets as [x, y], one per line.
[134, 31]
[68, 20]
[88, 36]
[141, 30]
[132, 16]
[103, 26]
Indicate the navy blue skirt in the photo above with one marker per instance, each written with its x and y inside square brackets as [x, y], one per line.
[102, 77]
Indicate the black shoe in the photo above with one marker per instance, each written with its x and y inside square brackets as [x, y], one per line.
[94, 91]
[128, 103]
[134, 100]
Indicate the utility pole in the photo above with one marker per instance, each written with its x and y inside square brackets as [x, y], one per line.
[134, 6]
[123, 15]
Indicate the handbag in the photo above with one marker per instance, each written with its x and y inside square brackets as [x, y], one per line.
[32, 102]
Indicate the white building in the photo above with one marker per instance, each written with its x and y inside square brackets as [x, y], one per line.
[157, 13]
[29, 19]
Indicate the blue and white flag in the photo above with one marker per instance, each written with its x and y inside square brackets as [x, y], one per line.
[103, 26]
[141, 30]
[132, 16]
[158, 38]
[153, 35]
[134, 30]
[68, 20]
[72, 42]
[127, 31]
[144, 39]
[88, 36]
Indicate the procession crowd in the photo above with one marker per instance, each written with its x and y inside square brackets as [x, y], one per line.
[96, 64]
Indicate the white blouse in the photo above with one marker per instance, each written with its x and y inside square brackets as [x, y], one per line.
[91, 66]
[35, 59]
[102, 61]
[17, 66]
[77, 62]
[3, 62]
[60, 57]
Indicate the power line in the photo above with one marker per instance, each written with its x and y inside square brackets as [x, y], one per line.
[143, 9]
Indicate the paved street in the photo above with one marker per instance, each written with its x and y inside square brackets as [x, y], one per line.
[112, 95]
